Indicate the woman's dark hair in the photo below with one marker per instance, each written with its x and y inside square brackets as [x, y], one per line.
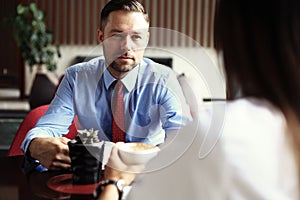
[124, 5]
[260, 44]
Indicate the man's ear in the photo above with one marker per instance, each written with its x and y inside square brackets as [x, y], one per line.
[100, 36]
[148, 38]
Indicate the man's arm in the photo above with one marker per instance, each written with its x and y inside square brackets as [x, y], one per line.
[58, 117]
[175, 111]
[44, 143]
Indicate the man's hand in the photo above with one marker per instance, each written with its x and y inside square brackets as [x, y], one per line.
[52, 153]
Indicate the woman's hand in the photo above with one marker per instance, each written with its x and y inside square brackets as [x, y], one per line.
[116, 169]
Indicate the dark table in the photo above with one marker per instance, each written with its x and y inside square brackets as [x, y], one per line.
[14, 184]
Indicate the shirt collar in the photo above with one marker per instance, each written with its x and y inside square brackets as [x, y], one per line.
[128, 81]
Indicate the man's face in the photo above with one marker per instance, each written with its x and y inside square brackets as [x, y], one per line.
[124, 39]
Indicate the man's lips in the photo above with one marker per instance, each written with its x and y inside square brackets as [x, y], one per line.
[125, 58]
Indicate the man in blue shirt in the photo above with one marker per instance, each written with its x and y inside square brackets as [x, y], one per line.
[154, 102]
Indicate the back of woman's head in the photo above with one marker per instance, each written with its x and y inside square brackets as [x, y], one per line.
[260, 42]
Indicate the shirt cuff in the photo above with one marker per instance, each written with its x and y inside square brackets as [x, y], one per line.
[30, 164]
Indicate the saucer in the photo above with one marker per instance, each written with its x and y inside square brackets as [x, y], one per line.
[64, 184]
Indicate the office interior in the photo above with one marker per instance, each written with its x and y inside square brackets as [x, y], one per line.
[180, 30]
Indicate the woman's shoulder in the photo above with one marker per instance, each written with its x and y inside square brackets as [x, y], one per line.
[253, 120]
[257, 148]
[252, 110]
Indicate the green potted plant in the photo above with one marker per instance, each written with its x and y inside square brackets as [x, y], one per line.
[36, 46]
[32, 36]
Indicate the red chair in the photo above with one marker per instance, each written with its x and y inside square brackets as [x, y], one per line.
[27, 124]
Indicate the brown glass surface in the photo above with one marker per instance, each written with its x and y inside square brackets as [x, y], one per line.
[33, 186]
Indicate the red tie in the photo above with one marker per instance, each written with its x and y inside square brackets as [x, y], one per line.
[118, 124]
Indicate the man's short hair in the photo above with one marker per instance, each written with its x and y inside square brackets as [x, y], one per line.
[122, 5]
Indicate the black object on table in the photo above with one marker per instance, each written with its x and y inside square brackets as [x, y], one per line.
[14, 184]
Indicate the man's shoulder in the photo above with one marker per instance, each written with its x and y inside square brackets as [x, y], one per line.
[92, 65]
[151, 66]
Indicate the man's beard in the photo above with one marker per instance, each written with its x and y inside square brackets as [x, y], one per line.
[114, 65]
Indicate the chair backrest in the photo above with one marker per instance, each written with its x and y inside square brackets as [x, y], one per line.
[28, 123]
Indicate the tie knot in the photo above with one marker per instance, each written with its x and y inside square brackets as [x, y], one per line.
[117, 85]
[118, 91]
[116, 82]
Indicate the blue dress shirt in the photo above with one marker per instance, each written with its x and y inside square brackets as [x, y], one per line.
[153, 99]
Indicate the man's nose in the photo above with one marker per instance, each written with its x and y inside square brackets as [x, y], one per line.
[127, 43]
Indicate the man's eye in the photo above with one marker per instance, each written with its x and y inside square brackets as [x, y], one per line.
[118, 35]
[136, 37]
